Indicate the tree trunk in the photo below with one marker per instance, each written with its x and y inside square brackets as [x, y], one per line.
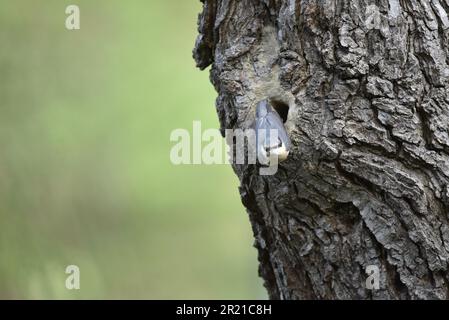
[367, 180]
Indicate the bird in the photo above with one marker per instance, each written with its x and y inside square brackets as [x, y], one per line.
[267, 143]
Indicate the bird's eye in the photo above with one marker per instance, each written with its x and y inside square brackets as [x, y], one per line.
[267, 151]
[280, 143]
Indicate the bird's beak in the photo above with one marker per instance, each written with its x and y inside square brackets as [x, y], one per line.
[281, 152]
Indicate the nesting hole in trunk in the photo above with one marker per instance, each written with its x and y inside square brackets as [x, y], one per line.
[281, 108]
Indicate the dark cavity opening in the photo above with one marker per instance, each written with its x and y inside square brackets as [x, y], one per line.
[281, 108]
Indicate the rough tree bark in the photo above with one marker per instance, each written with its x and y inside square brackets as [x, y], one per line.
[367, 182]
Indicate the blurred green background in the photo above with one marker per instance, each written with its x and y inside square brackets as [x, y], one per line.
[85, 175]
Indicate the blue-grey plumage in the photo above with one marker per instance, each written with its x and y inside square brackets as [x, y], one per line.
[268, 143]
